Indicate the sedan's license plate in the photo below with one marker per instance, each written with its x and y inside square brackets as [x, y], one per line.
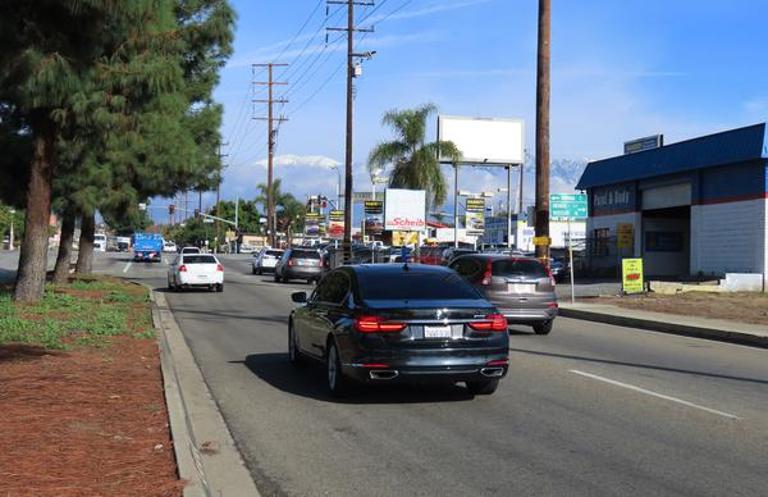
[437, 331]
[202, 276]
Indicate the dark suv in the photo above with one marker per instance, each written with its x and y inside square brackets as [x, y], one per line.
[521, 287]
[299, 264]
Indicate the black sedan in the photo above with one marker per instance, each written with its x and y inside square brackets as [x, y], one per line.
[380, 323]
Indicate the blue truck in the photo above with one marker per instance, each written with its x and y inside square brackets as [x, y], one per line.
[147, 247]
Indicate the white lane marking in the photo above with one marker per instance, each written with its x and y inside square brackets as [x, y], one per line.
[127, 267]
[654, 394]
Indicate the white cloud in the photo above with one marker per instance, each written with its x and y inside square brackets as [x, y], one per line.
[301, 160]
[442, 6]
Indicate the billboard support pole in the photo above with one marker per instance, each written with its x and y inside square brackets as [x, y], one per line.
[509, 206]
[455, 205]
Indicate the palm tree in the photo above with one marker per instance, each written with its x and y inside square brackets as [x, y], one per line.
[415, 163]
[288, 211]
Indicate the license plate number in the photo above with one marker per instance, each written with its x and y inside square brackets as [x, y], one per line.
[437, 331]
[521, 287]
[202, 276]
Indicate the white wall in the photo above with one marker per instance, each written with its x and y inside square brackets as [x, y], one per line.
[729, 237]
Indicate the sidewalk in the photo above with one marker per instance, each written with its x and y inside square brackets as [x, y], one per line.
[714, 329]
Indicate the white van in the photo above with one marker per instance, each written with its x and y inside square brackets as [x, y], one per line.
[100, 242]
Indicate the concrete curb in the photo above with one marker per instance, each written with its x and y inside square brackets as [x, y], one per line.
[666, 327]
[206, 454]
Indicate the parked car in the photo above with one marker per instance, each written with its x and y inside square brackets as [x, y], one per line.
[170, 247]
[384, 323]
[191, 250]
[248, 249]
[558, 269]
[299, 264]
[265, 260]
[520, 287]
[123, 243]
[452, 253]
[431, 255]
[196, 271]
[99, 242]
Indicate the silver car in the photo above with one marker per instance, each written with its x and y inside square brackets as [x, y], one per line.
[265, 260]
[520, 287]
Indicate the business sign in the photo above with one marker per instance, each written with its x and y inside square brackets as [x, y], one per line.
[567, 206]
[613, 199]
[542, 241]
[483, 140]
[404, 210]
[475, 223]
[632, 275]
[475, 205]
[405, 238]
[374, 217]
[312, 224]
[626, 235]
[358, 197]
[336, 224]
[643, 144]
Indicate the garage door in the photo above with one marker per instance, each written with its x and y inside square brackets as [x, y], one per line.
[662, 197]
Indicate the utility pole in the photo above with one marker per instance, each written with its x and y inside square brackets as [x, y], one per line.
[351, 55]
[542, 131]
[218, 197]
[271, 140]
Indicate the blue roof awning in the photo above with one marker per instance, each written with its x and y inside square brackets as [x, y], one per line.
[737, 145]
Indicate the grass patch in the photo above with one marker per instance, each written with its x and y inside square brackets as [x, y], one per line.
[83, 312]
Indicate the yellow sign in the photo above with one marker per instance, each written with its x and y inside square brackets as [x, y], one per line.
[542, 240]
[632, 275]
[405, 238]
[626, 235]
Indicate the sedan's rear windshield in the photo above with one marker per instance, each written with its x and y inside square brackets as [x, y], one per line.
[199, 259]
[416, 286]
[515, 268]
[305, 254]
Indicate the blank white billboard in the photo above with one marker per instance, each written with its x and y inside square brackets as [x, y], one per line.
[484, 140]
[404, 210]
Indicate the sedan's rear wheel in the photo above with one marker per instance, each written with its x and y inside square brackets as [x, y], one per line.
[338, 385]
[483, 387]
[220, 287]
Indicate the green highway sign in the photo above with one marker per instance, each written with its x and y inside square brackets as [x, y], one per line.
[567, 206]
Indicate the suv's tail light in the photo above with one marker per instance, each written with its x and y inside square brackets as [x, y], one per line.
[493, 322]
[219, 267]
[487, 275]
[290, 262]
[374, 324]
[182, 268]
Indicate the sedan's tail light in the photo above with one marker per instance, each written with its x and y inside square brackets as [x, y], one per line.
[374, 324]
[290, 262]
[493, 322]
[182, 268]
[219, 267]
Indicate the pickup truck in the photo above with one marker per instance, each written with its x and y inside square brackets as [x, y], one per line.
[147, 247]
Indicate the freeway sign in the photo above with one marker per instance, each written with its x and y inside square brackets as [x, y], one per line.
[567, 206]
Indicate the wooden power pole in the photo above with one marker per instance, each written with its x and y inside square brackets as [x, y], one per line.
[542, 131]
[351, 55]
[271, 140]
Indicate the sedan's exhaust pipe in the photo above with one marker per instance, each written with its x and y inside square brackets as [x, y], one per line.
[384, 374]
[492, 372]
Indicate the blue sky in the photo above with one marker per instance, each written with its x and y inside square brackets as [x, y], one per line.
[620, 70]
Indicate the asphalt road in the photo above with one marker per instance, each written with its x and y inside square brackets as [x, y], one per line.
[590, 410]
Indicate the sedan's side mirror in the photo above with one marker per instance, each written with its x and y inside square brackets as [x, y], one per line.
[299, 297]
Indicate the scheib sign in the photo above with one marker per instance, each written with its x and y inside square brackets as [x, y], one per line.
[404, 210]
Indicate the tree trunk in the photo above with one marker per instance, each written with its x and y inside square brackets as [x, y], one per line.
[61, 272]
[33, 261]
[85, 253]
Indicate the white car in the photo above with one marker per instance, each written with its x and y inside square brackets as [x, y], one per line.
[247, 249]
[191, 250]
[169, 247]
[100, 242]
[196, 271]
[265, 260]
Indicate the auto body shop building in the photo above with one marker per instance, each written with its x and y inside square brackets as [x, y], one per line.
[694, 207]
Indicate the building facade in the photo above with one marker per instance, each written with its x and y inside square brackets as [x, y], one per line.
[696, 207]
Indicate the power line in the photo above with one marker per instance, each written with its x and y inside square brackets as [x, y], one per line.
[301, 29]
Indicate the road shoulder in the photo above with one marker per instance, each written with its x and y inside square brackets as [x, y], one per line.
[206, 453]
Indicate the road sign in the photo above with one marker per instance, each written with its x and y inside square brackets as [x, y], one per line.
[358, 197]
[567, 206]
[542, 240]
[632, 276]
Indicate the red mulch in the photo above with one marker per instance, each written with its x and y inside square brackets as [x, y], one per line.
[87, 422]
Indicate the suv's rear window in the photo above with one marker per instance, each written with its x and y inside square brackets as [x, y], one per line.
[415, 286]
[274, 253]
[199, 259]
[305, 254]
[515, 268]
